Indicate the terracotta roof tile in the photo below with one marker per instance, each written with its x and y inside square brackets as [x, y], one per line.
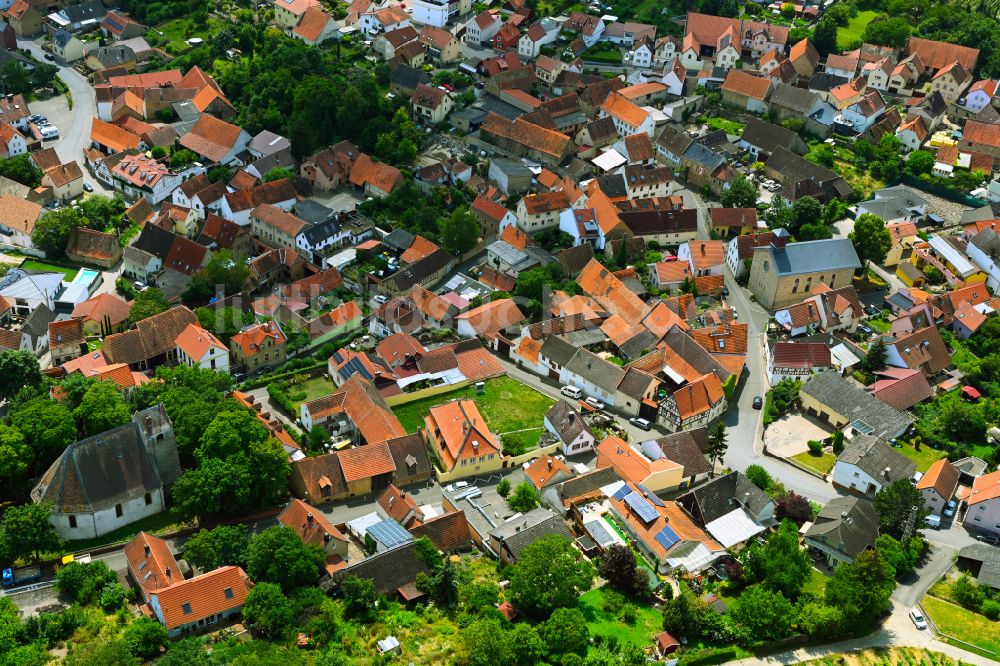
[200, 597]
[149, 559]
[211, 138]
[984, 488]
[461, 431]
[449, 532]
[490, 318]
[620, 108]
[113, 137]
[742, 83]
[196, 342]
[699, 396]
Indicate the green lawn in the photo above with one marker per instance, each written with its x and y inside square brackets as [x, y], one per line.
[924, 458]
[161, 523]
[816, 583]
[822, 463]
[728, 126]
[36, 265]
[855, 27]
[647, 625]
[878, 325]
[963, 624]
[507, 405]
[178, 31]
[314, 388]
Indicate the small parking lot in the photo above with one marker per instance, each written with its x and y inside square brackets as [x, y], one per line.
[789, 435]
[339, 200]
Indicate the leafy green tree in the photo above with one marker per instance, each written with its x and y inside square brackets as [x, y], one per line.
[818, 619]
[741, 193]
[278, 555]
[359, 598]
[107, 652]
[920, 162]
[825, 36]
[897, 505]
[33, 533]
[759, 477]
[525, 644]
[147, 303]
[794, 507]
[870, 237]
[114, 596]
[230, 434]
[445, 584]
[486, 643]
[785, 396]
[550, 574]
[22, 170]
[619, 568]
[717, 444]
[74, 386]
[903, 556]
[224, 322]
[53, 229]
[225, 272]
[968, 592]
[220, 546]
[767, 614]
[101, 212]
[181, 158]
[861, 590]
[83, 582]
[524, 498]
[781, 565]
[884, 30]
[877, 356]
[145, 638]
[805, 210]
[823, 155]
[503, 488]
[684, 617]
[566, 632]
[269, 611]
[17, 370]
[459, 232]
[215, 487]
[15, 456]
[101, 409]
[278, 173]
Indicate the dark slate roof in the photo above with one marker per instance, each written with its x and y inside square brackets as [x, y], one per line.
[408, 77]
[613, 185]
[567, 422]
[673, 140]
[704, 156]
[155, 240]
[768, 136]
[687, 448]
[874, 456]
[795, 168]
[320, 232]
[410, 454]
[855, 403]
[586, 483]
[989, 558]
[823, 82]
[420, 270]
[723, 495]
[830, 254]
[595, 369]
[389, 570]
[110, 468]
[851, 534]
[518, 534]
[573, 259]
[635, 346]
[793, 97]
[85, 11]
[36, 324]
[399, 240]
[558, 350]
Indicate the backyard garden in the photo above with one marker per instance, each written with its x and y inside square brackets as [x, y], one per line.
[512, 409]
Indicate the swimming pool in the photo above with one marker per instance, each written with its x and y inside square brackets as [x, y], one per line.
[87, 276]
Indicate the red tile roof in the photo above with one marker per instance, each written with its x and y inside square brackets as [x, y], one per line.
[200, 597]
[211, 138]
[249, 340]
[741, 83]
[365, 462]
[149, 559]
[196, 342]
[448, 533]
[309, 523]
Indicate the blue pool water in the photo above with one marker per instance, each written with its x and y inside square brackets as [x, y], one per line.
[87, 276]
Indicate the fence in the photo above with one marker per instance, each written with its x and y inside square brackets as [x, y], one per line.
[943, 192]
[419, 394]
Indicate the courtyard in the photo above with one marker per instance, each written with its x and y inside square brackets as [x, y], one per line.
[789, 436]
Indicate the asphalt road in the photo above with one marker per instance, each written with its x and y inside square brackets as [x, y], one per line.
[73, 124]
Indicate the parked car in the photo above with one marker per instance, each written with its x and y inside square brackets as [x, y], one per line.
[594, 402]
[725, 291]
[949, 508]
[758, 402]
[572, 392]
[642, 424]
[915, 479]
[49, 56]
[872, 311]
[918, 619]
[87, 187]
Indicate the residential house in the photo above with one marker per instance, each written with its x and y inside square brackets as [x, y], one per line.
[525, 139]
[704, 257]
[951, 81]
[981, 137]
[238, 206]
[922, 350]
[17, 220]
[662, 531]
[482, 28]
[740, 250]
[566, 423]
[376, 179]
[804, 58]
[761, 139]
[841, 403]
[901, 388]
[938, 485]
[150, 342]
[983, 500]
[215, 141]
[628, 118]
[827, 309]
[313, 527]
[536, 212]
[430, 105]
[102, 314]
[646, 466]
[746, 91]
[442, 46]
[492, 216]
[460, 438]
[730, 508]
[547, 471]
[94, 248]
[200, 348]
[330, 167]
[201, 601]
[912, 134]
[113, 479]
[26, 18]
[151, 565]
[141, 176]
[487, 320]
[66, 181]
[980, 95]
[796, 360]
[506, 38]
[844, 528]
[540, 34]
[509, 539]
[275, 227]
[729, 222]
[66, 340]
[984, 251]
[315, 27]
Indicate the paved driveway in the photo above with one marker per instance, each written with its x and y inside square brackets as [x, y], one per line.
[789, 435]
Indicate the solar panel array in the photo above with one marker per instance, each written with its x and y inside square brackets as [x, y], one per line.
[601, 534]
[389, 533]
[622, 492]
[650, 495]
[355, 366]
[667, 538]
[642, 508]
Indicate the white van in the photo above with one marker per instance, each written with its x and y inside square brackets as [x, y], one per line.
[572, 392]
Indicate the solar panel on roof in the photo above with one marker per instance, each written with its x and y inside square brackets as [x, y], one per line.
[642, 508]
[622, 492]
[389, 533]
[667, 537]
[650, 495]
[600, 533]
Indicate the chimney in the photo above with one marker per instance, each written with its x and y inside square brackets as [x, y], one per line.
[167, 572]
[549, 463]
[309, 518]
[147, 550]
[326, 537]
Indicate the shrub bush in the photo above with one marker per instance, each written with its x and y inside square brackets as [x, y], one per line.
[815, 447]
[991, 609]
